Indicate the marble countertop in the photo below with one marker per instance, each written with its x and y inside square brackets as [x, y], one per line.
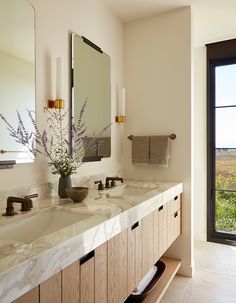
[25, 265]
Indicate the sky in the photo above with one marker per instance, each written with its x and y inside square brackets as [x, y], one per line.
[226, 95]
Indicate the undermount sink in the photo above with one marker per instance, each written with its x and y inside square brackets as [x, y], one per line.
[34, 227]
[128, 192]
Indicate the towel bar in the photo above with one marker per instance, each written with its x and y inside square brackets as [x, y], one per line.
[172, 137]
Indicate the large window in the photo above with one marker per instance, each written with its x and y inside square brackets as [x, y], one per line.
[222, 142]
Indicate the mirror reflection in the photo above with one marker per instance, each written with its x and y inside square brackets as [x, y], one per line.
[17, 72]
[92, 80]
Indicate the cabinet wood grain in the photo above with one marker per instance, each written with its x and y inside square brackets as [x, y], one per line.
[87, 282]
[31, 296]
[148, 246]
[101, 274]
[118, 268]
[162, 228]
[156, 252]
[50, 290]
[71, 283]
[135, 273]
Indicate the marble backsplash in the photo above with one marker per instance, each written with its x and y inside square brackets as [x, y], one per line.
[48, 191]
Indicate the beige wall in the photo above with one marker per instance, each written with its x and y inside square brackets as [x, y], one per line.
[213, 20]
[158, 99]
[55, 19]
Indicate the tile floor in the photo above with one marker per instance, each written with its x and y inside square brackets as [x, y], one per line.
[214, 279]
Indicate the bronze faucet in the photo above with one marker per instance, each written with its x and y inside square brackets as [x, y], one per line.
[26, 204]
[113, 183]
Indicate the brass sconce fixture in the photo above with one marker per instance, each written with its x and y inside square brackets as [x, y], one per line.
[58, 103]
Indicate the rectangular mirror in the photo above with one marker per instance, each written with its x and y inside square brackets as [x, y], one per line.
[17, 73]
[91, 79]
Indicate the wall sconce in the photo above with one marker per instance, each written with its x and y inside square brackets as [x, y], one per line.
[58, 103]
[121, 117]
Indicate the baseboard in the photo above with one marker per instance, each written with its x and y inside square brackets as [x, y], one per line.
[186, 271]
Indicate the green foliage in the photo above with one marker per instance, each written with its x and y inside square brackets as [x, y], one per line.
[225, 202]
[64, 155]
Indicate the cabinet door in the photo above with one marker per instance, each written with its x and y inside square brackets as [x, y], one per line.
[71, 283]
[148, 245]
[50, 290]
[87, 281]
[162, 229]
[117, 268]
[101, 274]
[31, 296]
[135, 272]
[174, 226]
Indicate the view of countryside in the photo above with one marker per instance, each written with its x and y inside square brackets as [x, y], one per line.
[226, 180]
[225, 137]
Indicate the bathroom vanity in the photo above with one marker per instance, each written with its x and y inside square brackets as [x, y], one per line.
[115, 236]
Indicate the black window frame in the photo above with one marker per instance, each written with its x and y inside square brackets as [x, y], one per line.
[218, 54]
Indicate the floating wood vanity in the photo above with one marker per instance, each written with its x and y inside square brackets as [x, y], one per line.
[110, 272]
[103, 257]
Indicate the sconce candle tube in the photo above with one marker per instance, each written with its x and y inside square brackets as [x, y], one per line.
[58, 78]
[121, 118]
[121, 108]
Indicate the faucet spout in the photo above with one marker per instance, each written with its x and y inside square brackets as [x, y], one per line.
[113, 179]
[26, 204]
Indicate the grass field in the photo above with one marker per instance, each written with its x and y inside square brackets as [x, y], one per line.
[226, 180]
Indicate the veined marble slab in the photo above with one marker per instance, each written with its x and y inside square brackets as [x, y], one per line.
[24, 266]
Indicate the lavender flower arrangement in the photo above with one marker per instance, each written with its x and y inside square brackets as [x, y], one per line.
[63, 157]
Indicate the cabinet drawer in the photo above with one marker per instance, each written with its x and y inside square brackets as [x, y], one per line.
[174, 229]
[174, 204]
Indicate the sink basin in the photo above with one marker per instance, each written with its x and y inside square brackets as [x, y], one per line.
[128, 192]
[34, 227]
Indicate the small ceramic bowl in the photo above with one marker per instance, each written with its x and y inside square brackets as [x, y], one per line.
[77, 194]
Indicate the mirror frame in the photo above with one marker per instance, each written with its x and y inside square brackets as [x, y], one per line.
[97, 48]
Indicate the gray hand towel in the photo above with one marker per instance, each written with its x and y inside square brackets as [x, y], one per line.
[104, 146]
[140, 150]
[159, 150]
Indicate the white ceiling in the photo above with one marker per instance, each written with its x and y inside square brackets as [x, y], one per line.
[130, 10]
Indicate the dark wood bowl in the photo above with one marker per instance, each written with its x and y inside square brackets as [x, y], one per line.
[139, 298]
[77, 194]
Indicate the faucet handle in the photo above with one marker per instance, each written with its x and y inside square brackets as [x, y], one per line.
[100, 185]
[31, 196]
[113, 183]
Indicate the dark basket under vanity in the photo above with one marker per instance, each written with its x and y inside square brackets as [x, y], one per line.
[154, 282]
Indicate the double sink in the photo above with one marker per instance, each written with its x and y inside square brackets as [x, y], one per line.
[32, 227]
